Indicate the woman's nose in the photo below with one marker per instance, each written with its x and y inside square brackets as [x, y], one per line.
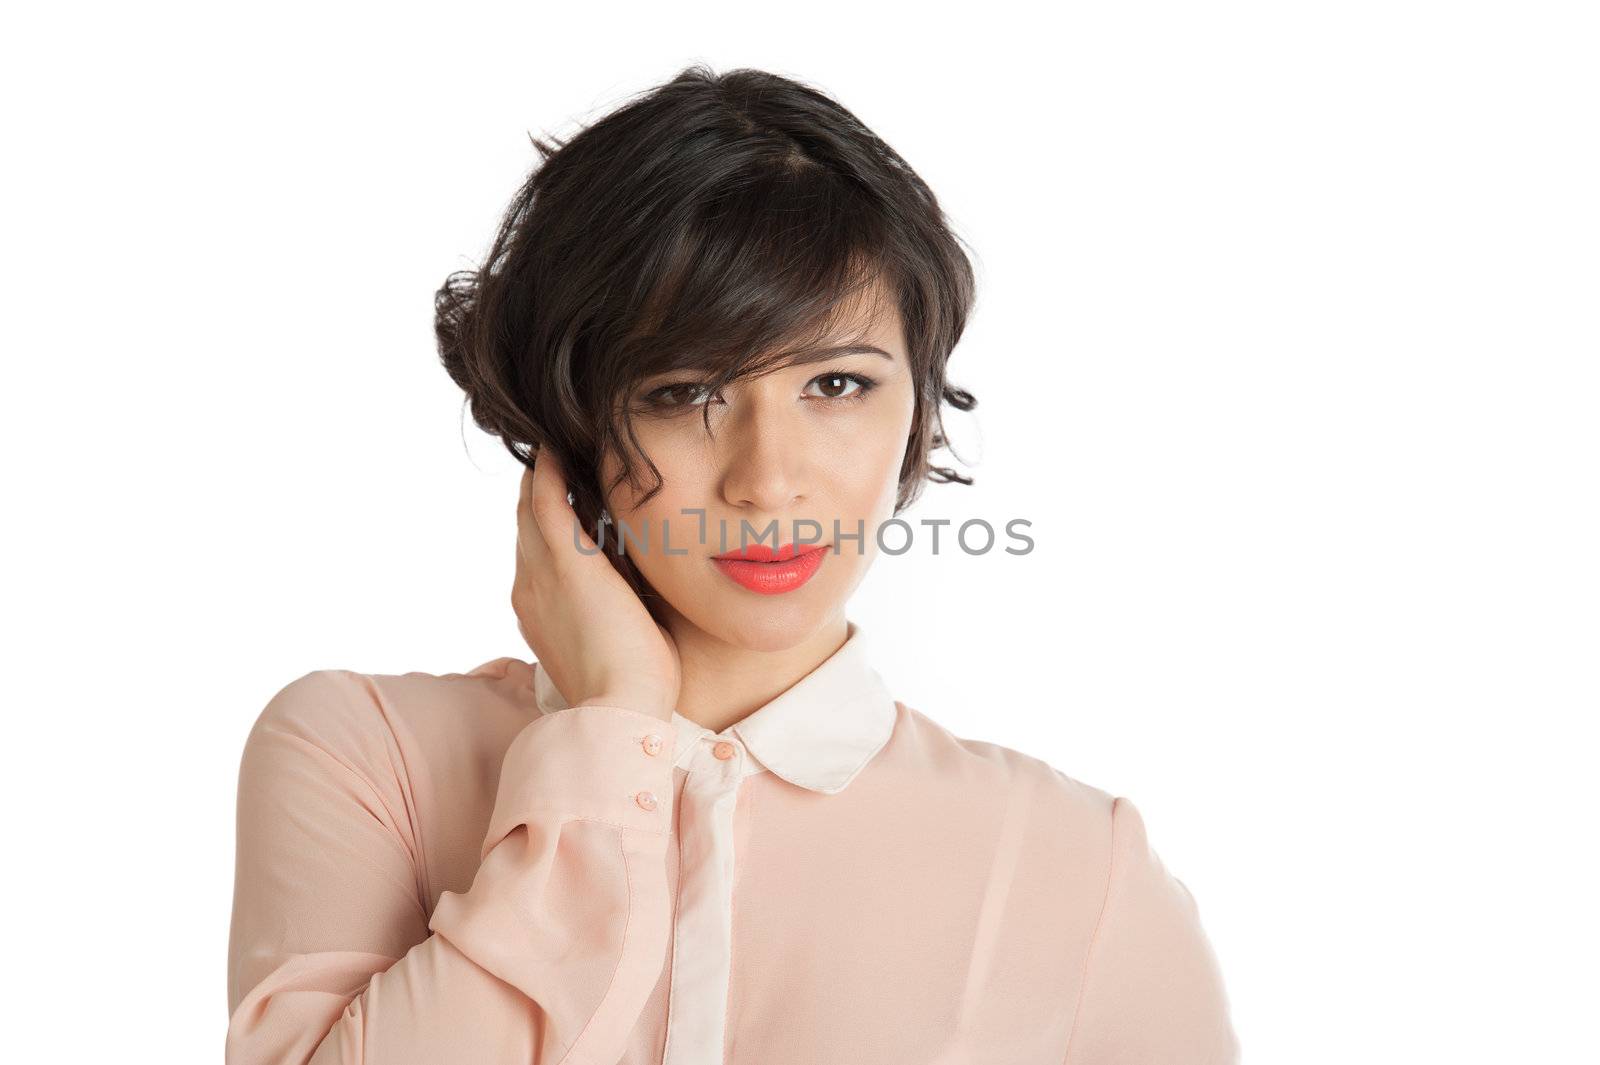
[764, 460]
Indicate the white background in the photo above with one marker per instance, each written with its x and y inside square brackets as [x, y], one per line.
[1286, 344]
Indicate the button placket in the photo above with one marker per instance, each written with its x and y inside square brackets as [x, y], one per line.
[652, 745]
[702, 939]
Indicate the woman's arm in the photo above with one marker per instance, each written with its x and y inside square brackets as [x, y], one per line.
[550, 955]
[1152, 992]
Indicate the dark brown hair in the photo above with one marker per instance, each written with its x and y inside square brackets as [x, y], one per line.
[717, 222]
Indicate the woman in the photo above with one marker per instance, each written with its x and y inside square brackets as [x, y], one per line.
[697, 827]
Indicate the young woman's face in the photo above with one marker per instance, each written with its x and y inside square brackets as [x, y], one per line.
[821, 442]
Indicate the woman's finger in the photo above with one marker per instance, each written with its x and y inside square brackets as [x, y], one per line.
[531, 549]
[556, 519]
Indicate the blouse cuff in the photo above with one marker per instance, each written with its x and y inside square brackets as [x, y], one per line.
[594, 763]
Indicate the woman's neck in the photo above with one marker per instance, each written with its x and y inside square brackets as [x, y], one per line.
[723, 683]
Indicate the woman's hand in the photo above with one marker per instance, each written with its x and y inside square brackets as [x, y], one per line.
[586, 626]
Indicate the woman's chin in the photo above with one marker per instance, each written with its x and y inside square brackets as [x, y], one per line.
[763, 622]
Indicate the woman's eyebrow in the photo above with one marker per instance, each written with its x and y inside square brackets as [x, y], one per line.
[819, 354]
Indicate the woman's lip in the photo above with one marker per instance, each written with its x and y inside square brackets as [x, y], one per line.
[763, 553]
[772, 578]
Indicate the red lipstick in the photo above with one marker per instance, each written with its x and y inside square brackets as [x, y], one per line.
[769, 571]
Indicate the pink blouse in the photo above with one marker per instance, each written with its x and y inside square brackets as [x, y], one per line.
[463, 868]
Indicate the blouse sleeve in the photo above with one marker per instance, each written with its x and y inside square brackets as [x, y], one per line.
[551, 954]
[1153, 991]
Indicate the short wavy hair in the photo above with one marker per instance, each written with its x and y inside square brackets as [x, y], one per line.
[717, 223]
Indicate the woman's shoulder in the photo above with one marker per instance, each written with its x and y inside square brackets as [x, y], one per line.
[984, 767]
[375, 715]
[418, 754]
[1090, 841]
[1086, 874]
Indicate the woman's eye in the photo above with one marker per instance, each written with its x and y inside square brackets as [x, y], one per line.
[681, 394]
[838, 385]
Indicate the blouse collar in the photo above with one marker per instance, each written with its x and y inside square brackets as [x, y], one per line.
[818, 734]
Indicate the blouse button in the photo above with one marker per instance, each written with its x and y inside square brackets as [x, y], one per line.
[645, 800]
[652, 744]
[723, 750]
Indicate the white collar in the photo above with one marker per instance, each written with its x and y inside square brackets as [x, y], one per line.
[818, 734]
